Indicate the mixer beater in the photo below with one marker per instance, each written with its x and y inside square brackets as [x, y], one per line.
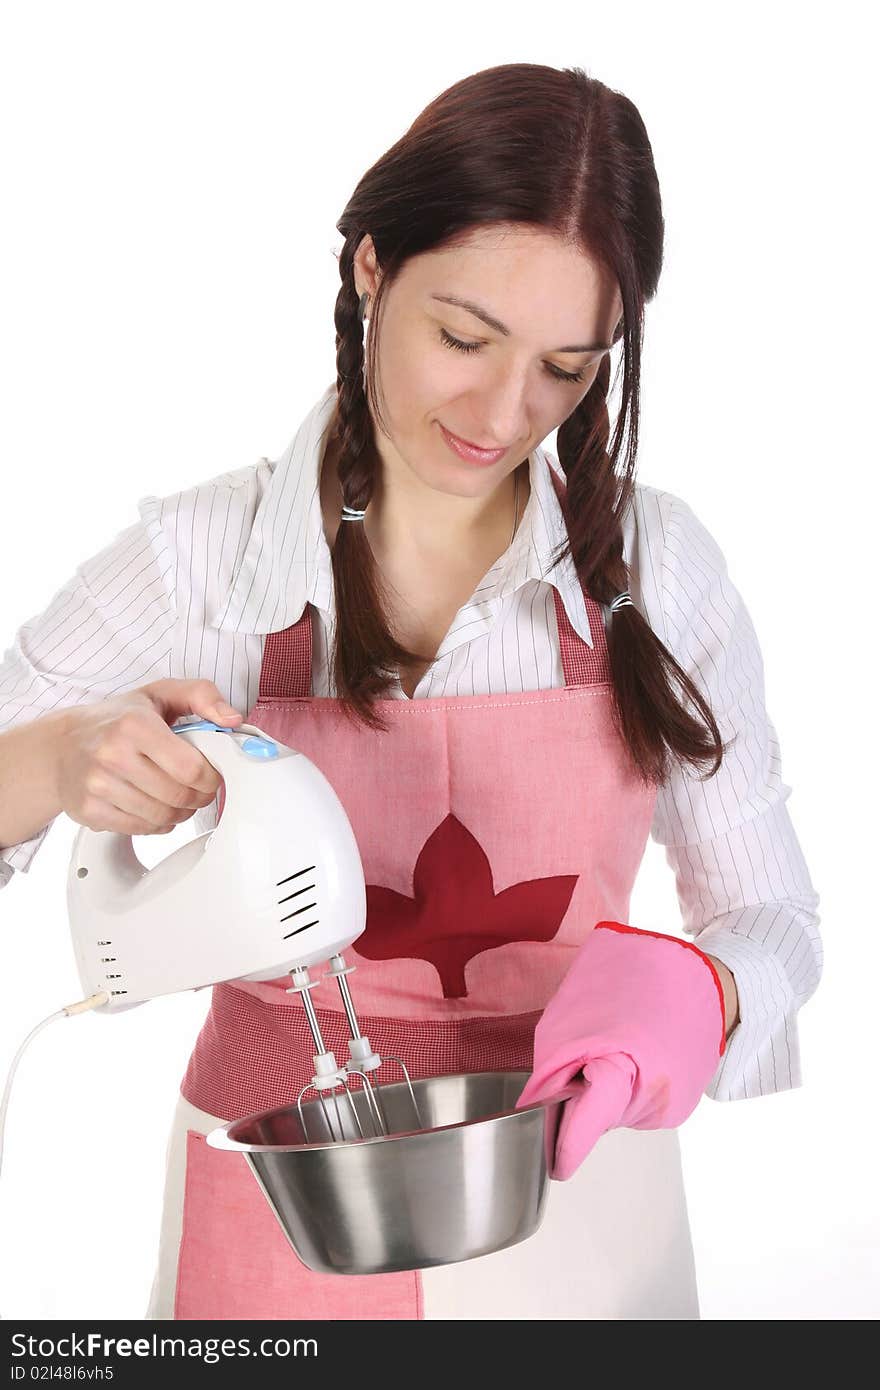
[330, 1077]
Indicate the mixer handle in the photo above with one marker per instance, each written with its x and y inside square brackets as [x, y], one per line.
[225, 754]
[113, 851]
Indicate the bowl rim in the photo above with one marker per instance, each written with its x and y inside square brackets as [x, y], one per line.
[220, 1138]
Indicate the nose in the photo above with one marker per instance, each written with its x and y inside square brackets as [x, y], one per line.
[502, 413]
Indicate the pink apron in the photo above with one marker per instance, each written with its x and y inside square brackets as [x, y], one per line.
[495, 831]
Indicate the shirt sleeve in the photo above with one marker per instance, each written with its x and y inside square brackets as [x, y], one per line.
[744, 888]
[108, 629]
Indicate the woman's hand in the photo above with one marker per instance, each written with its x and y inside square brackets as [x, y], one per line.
[119, 767]
[639, 1021]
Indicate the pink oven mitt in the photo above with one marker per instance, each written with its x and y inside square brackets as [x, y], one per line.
[639, 1021]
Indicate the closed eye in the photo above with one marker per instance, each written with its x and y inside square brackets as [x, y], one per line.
[556, 372]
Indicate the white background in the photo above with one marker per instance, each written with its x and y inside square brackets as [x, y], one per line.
[172, 174]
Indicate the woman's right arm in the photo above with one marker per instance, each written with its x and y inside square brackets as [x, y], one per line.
[111, 765]
[86, 697]
[109, 628]
[29, 797]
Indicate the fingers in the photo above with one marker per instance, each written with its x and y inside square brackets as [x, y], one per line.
[126, 809]
[142, 750]
[147, 777]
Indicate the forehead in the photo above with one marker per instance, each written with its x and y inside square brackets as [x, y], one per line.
[509, 266]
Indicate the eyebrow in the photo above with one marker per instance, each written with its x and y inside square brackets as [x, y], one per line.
[500, 327]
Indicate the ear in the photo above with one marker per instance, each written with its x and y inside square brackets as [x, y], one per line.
[366, 269]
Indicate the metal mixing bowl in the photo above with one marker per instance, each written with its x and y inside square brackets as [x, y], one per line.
[472, 1180]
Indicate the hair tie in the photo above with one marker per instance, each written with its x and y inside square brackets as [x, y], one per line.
[621, 601]
[352, 514]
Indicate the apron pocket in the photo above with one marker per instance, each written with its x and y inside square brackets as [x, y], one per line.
[236, 1262]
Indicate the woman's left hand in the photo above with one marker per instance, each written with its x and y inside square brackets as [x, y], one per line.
[640, 1020]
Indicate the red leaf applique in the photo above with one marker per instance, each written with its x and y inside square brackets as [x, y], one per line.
[455, 913]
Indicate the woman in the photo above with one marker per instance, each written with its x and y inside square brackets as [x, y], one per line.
[511, 668]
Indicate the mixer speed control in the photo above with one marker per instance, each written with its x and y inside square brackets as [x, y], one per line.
[259, 748]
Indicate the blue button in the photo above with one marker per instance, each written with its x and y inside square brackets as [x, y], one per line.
[259, 748]
[200, 724]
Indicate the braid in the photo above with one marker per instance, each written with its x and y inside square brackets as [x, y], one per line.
[642, 667]
[354, 428]
[365, 663]
[592, 491]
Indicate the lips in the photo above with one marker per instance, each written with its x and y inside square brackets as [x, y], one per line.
[482, 448]
[465, 449]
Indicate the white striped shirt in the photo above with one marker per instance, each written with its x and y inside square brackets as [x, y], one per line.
[192, 588]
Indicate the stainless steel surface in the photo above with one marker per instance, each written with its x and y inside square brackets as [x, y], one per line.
[473, 1181]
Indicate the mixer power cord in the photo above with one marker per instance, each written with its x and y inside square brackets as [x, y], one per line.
[93, 1002]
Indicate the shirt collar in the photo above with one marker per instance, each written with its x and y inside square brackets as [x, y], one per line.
[287, 564]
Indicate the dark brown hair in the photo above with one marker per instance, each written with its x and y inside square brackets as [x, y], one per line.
[554, 149]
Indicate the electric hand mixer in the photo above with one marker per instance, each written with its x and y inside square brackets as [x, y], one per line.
[275, 888]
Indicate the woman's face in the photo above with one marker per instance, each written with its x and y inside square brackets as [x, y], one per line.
[512, 382]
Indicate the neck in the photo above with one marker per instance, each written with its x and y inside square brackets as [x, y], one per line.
[421, 525]
[413, 524]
